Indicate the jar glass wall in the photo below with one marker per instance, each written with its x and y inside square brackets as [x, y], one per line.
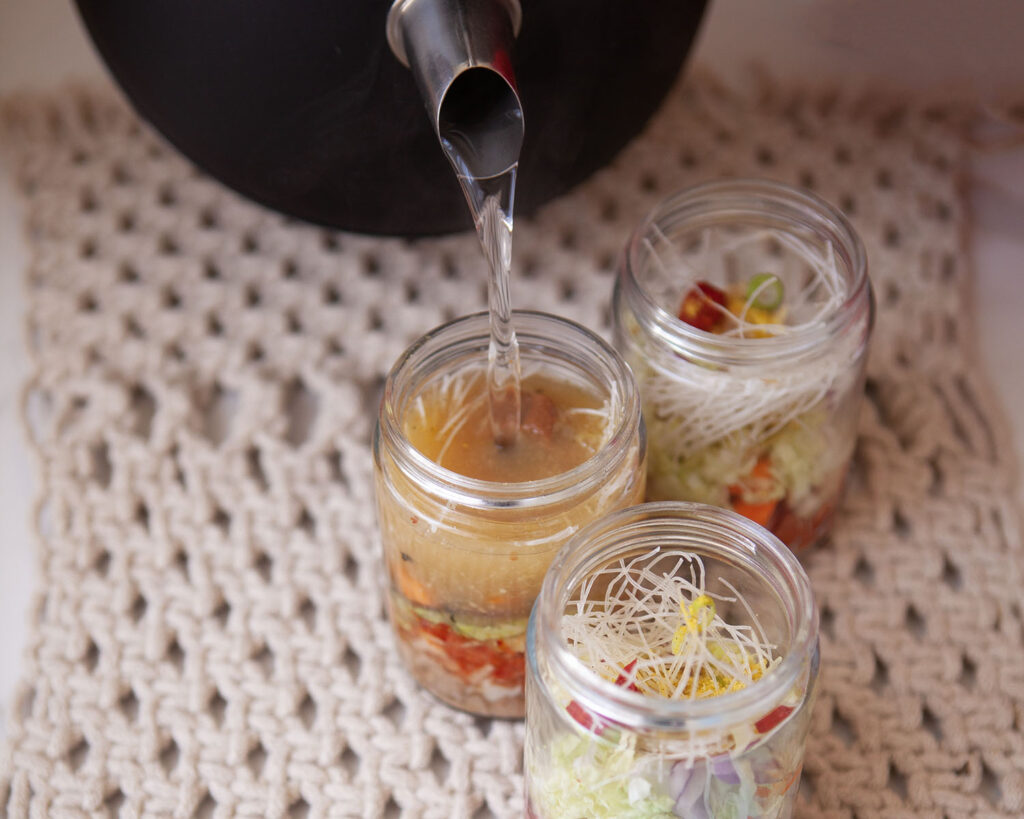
[465, 556]
[602, 739]
[744, 308]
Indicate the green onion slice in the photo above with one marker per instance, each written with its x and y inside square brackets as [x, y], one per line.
[766, 290]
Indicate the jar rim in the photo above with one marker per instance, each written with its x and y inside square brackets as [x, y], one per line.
[530, 326]
[761, 550]
[750, 197]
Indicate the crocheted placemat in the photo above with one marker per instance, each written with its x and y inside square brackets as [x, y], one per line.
[209, 636]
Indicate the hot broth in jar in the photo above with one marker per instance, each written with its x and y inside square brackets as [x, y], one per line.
[470, 521]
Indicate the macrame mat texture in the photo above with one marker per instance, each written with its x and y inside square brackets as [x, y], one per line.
[208, 636]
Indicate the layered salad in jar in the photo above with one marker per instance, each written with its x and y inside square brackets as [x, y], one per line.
[663, 635]
[750, 391]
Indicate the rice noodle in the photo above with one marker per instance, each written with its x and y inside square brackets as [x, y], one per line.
[704, 404]
[661, 630]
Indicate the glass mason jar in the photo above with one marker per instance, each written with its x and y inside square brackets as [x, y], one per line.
[599, 746]
[744, 309]
[465, 557]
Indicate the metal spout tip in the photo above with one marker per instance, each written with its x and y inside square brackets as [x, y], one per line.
[459, 52]
[480, 124]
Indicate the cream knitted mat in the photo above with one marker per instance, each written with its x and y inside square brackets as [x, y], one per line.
[208, 635]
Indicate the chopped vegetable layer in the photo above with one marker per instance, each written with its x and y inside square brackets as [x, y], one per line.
[789, 482]
[478, 653]
[650, 624]
[768, 436]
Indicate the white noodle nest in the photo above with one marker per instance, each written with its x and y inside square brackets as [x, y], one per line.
[704, 404]
[638, 619]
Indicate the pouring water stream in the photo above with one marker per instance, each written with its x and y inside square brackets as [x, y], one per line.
[480, 127]
[459, 53]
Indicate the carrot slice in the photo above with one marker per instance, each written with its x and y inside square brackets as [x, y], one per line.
[760, 513]
[411, 588]
[762, 470]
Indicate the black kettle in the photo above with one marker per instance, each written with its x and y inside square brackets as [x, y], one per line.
[303, 105]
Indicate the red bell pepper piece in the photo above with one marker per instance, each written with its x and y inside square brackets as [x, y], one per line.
[772, 718]
[624, 676]
[578, 713]
[584, 718]
[703, 307]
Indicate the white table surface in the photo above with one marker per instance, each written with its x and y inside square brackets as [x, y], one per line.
[917, 46]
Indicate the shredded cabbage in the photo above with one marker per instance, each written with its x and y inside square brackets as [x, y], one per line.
[584, 777]
[587, 778]
[704, 476]
[800, 456]
[734, 800]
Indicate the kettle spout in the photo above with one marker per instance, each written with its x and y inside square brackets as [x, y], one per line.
[459, 54]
